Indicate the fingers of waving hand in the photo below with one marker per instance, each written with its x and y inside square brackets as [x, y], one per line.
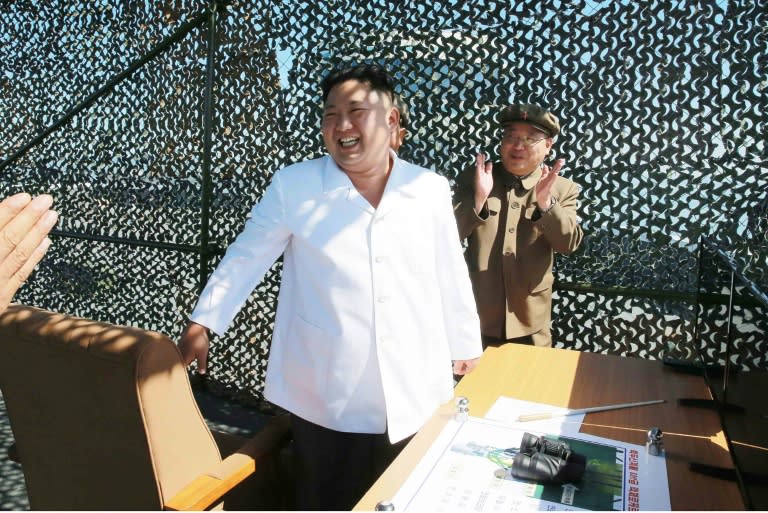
[24, 226]
[9, 284]
[11, 206]
[24, 223]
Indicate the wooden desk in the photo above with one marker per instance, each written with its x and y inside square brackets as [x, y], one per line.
[578, 380]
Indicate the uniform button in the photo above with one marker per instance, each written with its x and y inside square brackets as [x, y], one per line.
[514, 204]
[511, 230]
[379, 259]
[382, 299]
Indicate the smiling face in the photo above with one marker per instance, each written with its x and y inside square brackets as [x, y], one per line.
[520, 158]
[357, 126]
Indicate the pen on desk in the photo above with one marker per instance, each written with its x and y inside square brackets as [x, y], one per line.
[548, 415]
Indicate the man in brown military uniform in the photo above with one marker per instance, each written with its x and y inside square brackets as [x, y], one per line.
[516, 214]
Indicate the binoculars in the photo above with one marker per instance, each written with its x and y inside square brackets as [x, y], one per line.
[545, 460]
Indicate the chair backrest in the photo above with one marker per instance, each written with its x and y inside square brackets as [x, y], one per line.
[103, 415]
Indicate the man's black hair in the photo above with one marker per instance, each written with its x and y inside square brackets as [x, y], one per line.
[373, 74]
[402, 107]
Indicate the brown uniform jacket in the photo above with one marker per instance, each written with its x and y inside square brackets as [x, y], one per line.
[510, 249]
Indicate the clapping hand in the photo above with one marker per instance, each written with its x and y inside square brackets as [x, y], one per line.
[483, 180]
[544, 187]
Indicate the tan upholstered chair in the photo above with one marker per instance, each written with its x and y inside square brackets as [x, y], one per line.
[104, 418]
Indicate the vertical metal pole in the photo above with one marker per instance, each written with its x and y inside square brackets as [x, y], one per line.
[207, 187]
[729, 342]
[697, 303]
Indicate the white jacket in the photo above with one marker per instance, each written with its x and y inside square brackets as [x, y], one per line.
[374, 303]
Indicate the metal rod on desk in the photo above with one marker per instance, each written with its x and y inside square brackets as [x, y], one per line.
[548, 415]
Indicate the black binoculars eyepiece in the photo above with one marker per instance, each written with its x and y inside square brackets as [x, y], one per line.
[547, 461]
[532, 443]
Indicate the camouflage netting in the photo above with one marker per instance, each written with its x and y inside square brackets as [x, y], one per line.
[662, 105]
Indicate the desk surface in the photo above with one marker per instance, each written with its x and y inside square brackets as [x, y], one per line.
[578, 380]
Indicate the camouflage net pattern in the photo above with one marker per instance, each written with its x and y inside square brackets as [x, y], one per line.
[733, 310]
[662, 105]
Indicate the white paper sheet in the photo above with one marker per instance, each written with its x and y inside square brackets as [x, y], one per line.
[460, 473]
[507, 409]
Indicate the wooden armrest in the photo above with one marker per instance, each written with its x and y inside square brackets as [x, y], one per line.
[211, 486]
[208, 488]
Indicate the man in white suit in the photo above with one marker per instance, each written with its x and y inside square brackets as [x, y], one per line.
[375, 300]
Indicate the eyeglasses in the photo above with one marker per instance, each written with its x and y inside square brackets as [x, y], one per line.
[525, 141]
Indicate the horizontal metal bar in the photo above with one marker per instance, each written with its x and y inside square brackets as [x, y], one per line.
[210, 249]
[621, 291]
